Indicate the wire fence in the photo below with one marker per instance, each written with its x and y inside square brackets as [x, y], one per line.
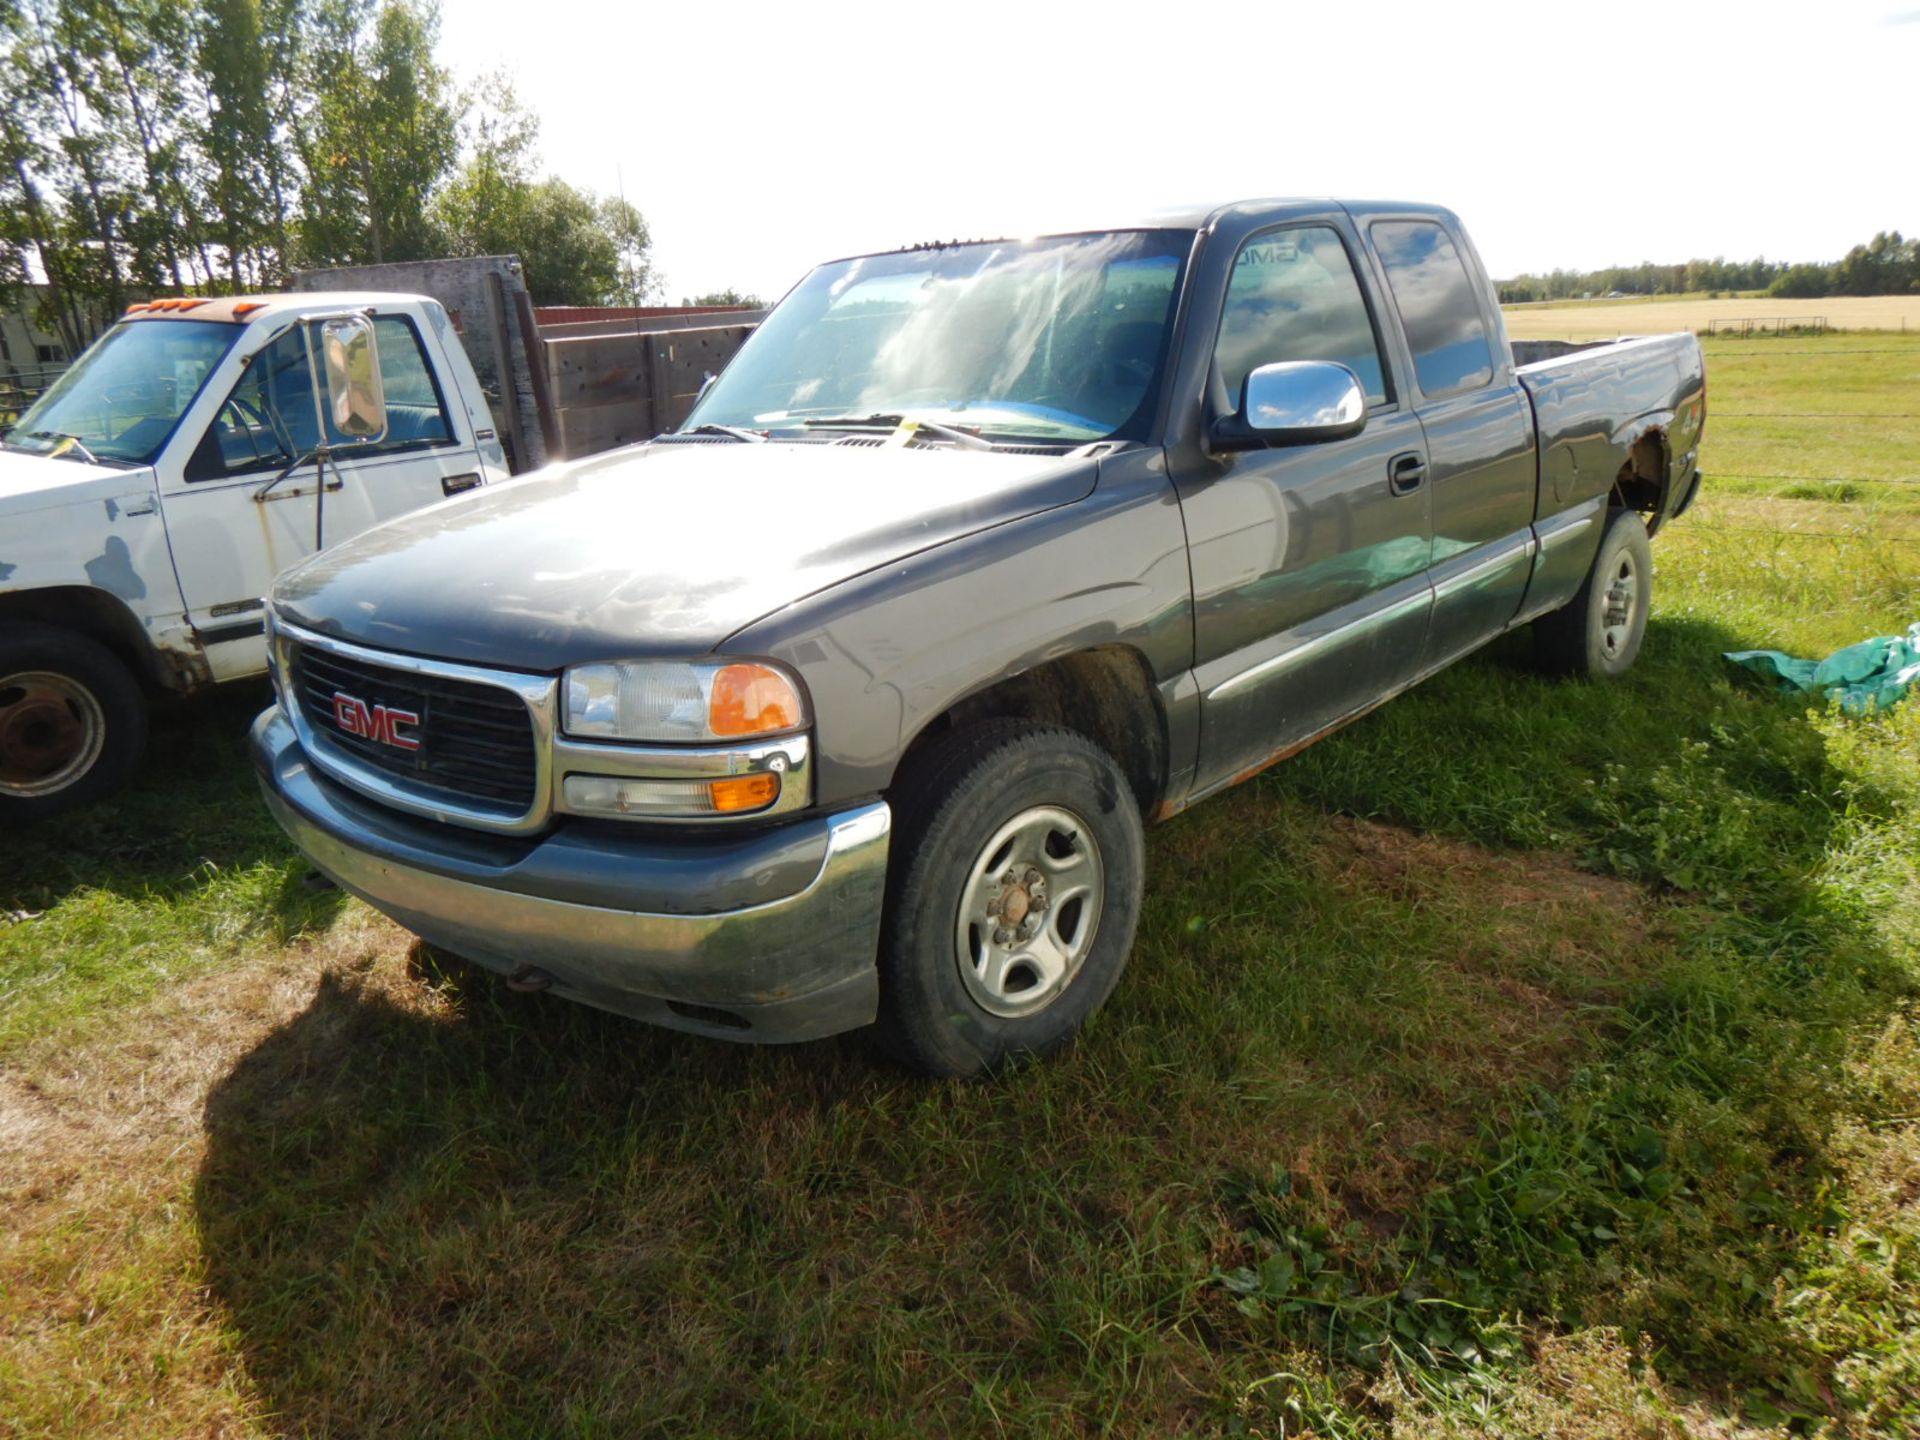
[1795, 533]
[1703, 525]
[1817, 479]
[1768, 325]
[21, 388]
[1881, 350]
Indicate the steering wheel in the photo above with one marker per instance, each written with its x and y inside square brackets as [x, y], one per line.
[253, 422]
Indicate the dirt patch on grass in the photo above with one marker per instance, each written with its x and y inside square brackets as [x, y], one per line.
[1541, 885]
[1544, 933]
[136, 1090]
[101, 1285]
[1510, 968]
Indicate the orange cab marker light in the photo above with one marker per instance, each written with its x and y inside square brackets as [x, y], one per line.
[753, 700]
[137, 309]
[247, 307]
[744, 792]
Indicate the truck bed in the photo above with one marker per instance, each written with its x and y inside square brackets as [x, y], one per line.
[1623, 416]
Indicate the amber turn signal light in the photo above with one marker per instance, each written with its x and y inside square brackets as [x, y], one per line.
[752, 700]
[744, 792]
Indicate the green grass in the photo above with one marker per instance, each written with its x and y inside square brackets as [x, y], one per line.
[1758, 388]
[1533, 1055]
[185, 872]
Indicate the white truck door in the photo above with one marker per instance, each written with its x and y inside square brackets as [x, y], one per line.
[232, 534]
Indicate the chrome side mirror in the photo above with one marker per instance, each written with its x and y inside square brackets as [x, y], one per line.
[1295, 402]
[356, 401]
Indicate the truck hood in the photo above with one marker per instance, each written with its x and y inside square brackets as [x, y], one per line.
[662, 550]
[35, 482]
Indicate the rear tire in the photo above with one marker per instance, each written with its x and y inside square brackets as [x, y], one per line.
[1599, 632]
[73, 722]
[1013, 896]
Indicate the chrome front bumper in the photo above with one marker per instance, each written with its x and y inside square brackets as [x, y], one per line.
[796, 965]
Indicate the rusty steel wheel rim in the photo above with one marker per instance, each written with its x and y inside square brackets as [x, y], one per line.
[1029, 910]
[52, 730]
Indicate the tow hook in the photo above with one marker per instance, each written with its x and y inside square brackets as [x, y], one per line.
[529, 980]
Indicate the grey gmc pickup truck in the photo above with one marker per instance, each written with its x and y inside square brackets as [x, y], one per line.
[846, 704]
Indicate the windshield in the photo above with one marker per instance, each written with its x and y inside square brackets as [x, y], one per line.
[1058, 339]
[122, 398]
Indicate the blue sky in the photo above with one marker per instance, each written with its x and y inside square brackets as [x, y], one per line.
[759, 139]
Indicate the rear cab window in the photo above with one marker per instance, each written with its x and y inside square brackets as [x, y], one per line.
[1439, 306]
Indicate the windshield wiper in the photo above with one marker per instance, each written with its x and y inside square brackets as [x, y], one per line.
[737, 432]
[862, 422]
[75, 443]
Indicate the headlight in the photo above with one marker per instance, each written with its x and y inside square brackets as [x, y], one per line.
[682, 740]
[674, 701]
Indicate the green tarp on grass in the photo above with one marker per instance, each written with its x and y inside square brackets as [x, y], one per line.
[1872, 675]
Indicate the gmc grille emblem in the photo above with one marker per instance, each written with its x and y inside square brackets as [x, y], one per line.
[375, 722]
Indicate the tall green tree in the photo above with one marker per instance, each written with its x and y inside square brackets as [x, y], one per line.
[1885, 265]
[239, 141]
[382, 136]
[577, 248]
[205, 145]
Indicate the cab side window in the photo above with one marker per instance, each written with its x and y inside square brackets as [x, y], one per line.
[1294, 296]
[268, 421]
[416, 415]
[1439, 307]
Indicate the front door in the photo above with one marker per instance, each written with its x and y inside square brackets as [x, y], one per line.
[1309, 562]
[231, 535]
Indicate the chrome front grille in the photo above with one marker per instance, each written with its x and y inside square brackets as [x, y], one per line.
[454, 742]
[475, 742]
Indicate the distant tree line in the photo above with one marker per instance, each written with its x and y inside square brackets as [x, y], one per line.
[1886, 265]
[728, 296]
[212, 146]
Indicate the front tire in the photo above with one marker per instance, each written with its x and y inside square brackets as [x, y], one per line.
[73, 722]
[1013, 897]
[1600, 631]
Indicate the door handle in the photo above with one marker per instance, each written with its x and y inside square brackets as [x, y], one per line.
[1406, 473]
[454, 484]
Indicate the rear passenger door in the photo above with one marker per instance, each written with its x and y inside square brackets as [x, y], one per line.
[1309, 561]
[1478, 429]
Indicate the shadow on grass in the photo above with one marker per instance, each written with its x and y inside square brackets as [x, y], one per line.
[438, 1208]
[459, 1210]
[192, 811]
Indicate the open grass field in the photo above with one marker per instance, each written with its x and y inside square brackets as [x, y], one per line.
[1646, 315]
[1533, 1058]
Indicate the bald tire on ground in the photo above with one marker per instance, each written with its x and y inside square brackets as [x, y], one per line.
[89, 665]
[1573, 639]
[958, 793]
